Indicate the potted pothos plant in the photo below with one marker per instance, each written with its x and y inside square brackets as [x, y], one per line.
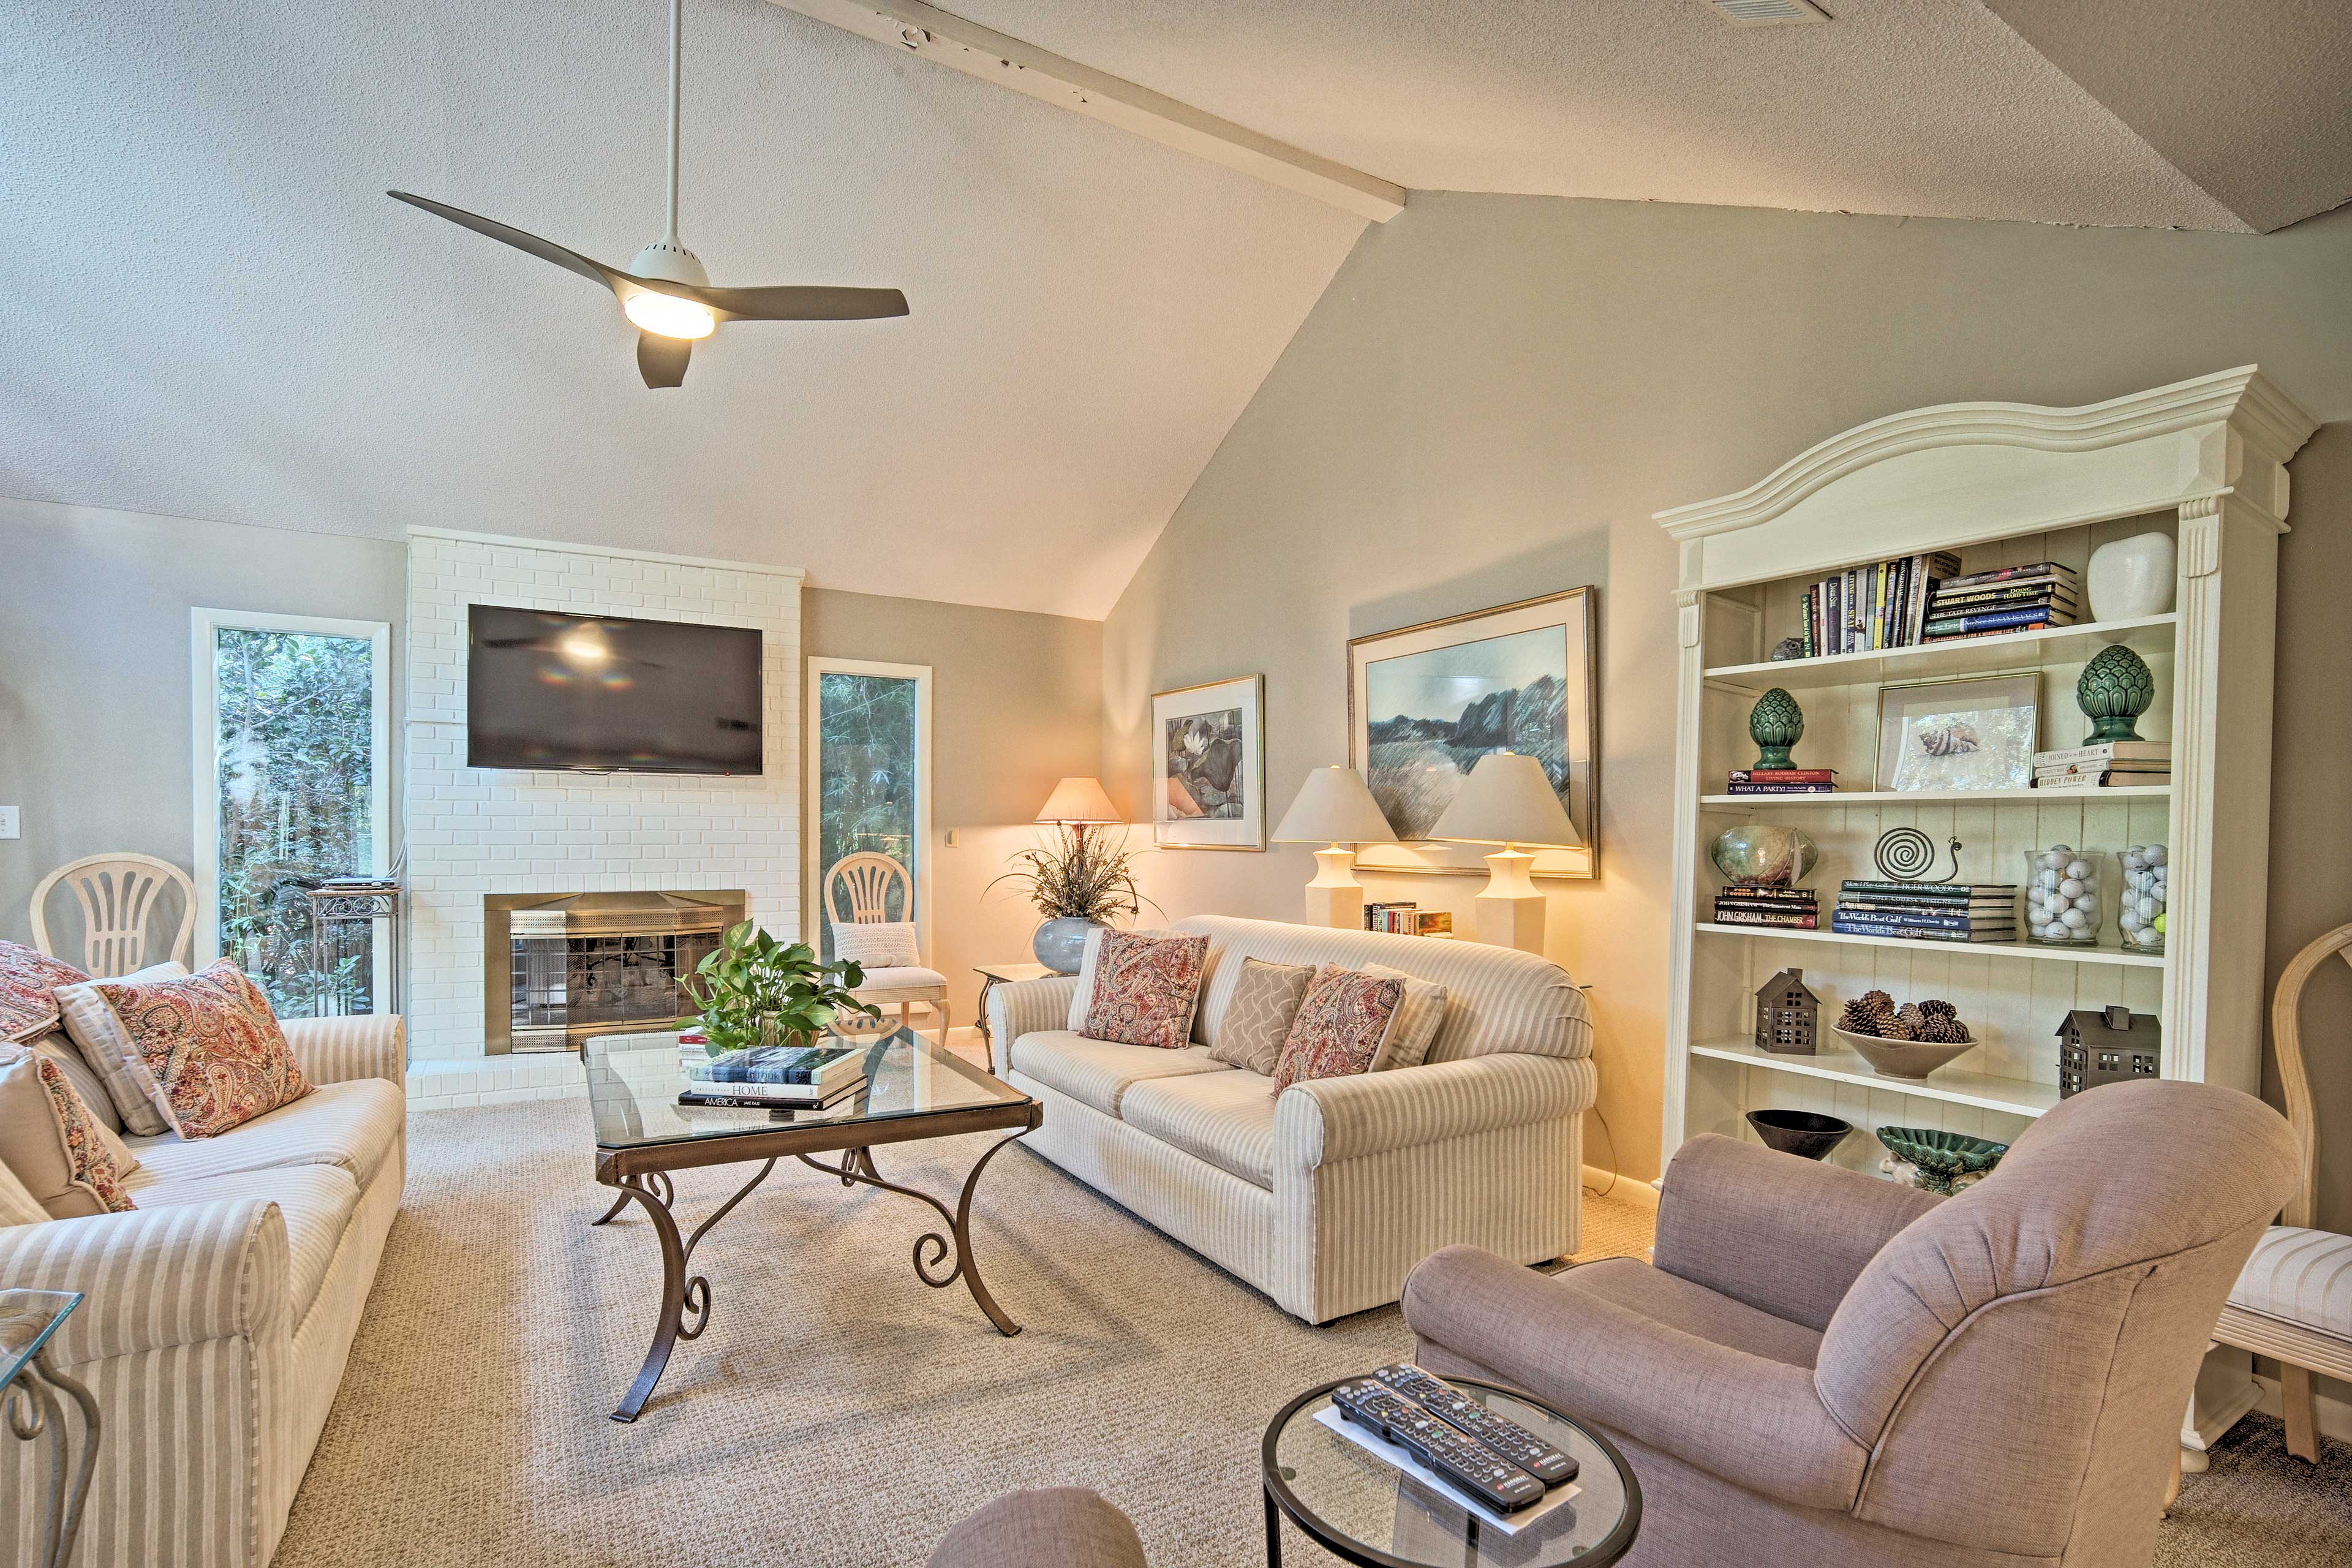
[753, 990]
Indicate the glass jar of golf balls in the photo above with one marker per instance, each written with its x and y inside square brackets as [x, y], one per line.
[2140, 905]
[2062, 896]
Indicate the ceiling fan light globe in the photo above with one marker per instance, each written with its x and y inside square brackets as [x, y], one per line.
[665, 315]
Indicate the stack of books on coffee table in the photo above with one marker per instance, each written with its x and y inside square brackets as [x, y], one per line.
[2108, 764]
[1927, 911]
[780, 1076]
[1795, 908]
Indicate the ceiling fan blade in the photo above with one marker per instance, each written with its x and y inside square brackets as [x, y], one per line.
[507, 233]
[801, 303]
[662, 361]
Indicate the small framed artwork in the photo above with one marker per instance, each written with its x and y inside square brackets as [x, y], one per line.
[1974, 732]
[1425, 703]
[1208, 755]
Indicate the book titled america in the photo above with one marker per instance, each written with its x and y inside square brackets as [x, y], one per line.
[778, 1098]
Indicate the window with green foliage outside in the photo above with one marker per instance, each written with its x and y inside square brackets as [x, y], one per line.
[867, 777]
[295, 773]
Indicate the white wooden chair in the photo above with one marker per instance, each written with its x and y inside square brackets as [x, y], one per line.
[116, 894]
[857, 891]
[2294, 1300]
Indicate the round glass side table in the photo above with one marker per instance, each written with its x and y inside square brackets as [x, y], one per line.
[1363, 1510]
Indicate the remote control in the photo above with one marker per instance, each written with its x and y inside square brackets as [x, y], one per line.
[1508, 1438]
[1467, 1465]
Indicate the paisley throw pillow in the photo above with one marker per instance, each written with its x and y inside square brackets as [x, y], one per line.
[213, 1046]
[1145, 989]
[27, 975]
[1340, 1024]
[49, 1140]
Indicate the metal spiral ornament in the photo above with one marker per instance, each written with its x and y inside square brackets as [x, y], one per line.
[1907, 855]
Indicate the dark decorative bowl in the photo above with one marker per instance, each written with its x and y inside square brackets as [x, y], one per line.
[1808, 1134]
[1941, 1157]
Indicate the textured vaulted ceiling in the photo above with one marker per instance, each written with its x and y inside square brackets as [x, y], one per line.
[212, 309]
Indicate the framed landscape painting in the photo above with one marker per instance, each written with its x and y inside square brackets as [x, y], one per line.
[1425, 703]
[1208, 758]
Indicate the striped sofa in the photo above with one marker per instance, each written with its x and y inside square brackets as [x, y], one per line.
[220, 1311]
[1325, 1197]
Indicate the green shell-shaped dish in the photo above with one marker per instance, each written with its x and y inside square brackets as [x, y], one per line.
[2116, 688]
[1941, 1156]
[1775, 724]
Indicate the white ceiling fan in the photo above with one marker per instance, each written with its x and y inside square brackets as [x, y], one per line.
[664, 293]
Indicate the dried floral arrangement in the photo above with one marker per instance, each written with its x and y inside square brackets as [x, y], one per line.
[1934, 1022]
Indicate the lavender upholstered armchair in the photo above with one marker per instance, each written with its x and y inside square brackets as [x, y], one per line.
[1055, 1527]
[1826, 1370]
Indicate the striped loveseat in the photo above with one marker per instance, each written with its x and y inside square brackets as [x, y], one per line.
[220, 1311]
[1325, 1197]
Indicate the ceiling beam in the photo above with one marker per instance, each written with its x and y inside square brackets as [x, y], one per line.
[951, 41]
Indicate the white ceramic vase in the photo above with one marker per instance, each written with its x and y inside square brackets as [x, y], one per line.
[2131, 577]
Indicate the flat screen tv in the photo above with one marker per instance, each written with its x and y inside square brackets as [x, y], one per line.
[605, 693]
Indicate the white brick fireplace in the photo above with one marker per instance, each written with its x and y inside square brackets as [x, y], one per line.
[474, 831]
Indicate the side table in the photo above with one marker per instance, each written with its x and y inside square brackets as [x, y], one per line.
[993, 975]
[29, 1387]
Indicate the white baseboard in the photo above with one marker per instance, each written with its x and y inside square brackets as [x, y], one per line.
[1640, 1193]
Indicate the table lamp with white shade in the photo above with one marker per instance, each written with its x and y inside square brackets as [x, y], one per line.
[1509, 800]
[1335, 807]
[1080, 803]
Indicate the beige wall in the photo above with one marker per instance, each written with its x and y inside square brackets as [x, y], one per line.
[1016, 704]
[95, 698]
[1497, 392]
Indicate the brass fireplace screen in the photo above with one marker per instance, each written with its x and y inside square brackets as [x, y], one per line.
[561, 968]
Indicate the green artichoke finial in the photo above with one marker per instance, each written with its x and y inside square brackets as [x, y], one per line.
[2115, 690]
[1776, 724]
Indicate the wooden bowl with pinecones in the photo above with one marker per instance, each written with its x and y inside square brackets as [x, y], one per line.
[1908, 1042]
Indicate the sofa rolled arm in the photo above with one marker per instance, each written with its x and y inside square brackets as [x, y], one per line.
[1786, 1236]
[1327, 1119]
[1756, 1423]
[336, 1050]
[1023, 1008]
[155, 1277]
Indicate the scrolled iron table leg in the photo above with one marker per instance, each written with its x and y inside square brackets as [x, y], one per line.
[685, 1299]
[931, 1248]
[32, 1411]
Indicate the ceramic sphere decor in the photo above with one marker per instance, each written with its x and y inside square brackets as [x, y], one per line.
[2115, 690]
[1941, 1161]
[1763, 854]
[1807, 1134]
[1775, 724]
[2062, 896]
[1061, 944]
[2132, 577]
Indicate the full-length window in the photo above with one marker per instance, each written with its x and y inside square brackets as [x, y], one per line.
[292, 764]
[868, 782]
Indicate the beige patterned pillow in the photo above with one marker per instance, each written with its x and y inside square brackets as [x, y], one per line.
[1406, 1044]
[106, 1045]
[876, 944]
[50, 1140]
[17, 1204]
[211, 1045]
[1259, 1012]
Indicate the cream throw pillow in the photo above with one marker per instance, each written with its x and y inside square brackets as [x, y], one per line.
[17, 1204]
[1414, 1024]
[1259, 1013]
[50, 1140]
[876, 944]
[106, 1045]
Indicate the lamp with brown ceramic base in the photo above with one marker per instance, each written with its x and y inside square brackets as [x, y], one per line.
[1334, 807]
[1510, 800]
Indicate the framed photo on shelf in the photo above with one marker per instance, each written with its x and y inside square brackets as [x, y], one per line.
[1208, 759]
[1976, 731]
[1425, 703]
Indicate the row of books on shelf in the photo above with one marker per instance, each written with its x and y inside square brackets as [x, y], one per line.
[1931, 912]
[1792, 909]
[2109, 765]
[1909, 600]
[1407, 919]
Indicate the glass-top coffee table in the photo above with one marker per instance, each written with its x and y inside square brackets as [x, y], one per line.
[914, 1090]
[1360, 1508]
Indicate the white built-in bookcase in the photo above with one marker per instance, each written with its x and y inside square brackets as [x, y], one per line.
[1998, 484]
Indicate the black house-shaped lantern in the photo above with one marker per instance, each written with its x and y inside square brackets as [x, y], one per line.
[2109, 1045]
[1787, 1014]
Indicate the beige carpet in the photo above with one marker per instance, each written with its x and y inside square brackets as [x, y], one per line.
[838, 1412]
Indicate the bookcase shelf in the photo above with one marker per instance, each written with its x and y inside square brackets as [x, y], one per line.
[2090, 954]
[1996, 485]
[2145, 635]
[1954, 1086]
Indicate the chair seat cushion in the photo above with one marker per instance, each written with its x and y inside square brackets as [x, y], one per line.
[1224, 1118]
[316, 1200]
[902, 983]
[355, 1125]
[2299, 1277]
[1098, 1072]
[1664, 1298]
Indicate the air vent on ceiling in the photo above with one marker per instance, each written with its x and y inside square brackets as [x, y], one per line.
[1768, 13]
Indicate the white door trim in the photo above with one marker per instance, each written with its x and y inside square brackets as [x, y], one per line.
[205, 719]
[811, 874]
